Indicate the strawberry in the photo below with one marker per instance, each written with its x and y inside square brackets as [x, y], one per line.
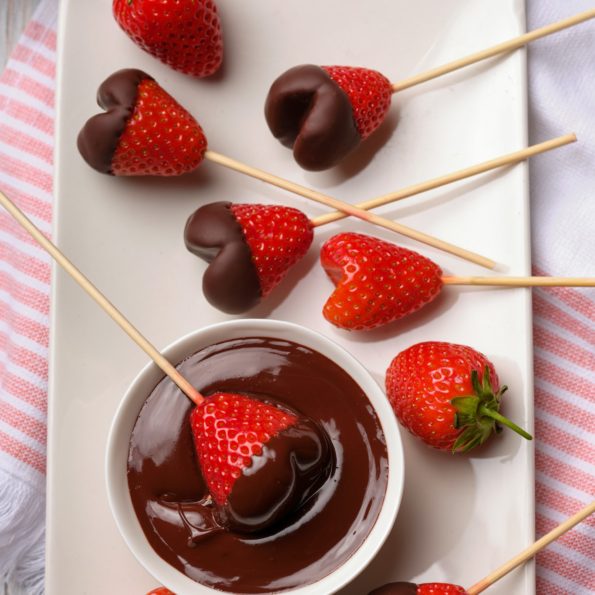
[144, 131]
[423, 589]
[184, 34]
[369, 93]
[249, 249]
[448, 395]
[278, 237]
[440, 589]
[377, 282]
[161, 591]
[228, 430]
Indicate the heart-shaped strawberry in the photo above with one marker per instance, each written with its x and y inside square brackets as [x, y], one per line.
[377, 282]
[324, 112]
[184, 34]
[249, 248]
[144, 130]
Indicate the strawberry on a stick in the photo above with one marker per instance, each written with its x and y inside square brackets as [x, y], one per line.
[145, 131]
[403, 588]
[324, 112]
[288, 455]
[378, 282]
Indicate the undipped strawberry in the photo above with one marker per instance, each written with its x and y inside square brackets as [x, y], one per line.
[144, 130]
[184, 34]
[161, 591]
[376, 282]
[446, 394]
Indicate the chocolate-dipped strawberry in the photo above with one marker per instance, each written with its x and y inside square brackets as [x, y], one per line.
[249, 248]
[324, 112]
[260, 462]
[423, 589]
[144, 130]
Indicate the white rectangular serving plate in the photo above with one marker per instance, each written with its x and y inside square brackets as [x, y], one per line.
[461, 516]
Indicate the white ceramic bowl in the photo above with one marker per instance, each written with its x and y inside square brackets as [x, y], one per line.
[145, 382]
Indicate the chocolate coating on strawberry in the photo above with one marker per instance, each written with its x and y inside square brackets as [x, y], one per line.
[231, 281]
[144, 131]
[280, 482]
[250, 249]
[396, 589]
[307, 111]
[260, 462]
[98, 139]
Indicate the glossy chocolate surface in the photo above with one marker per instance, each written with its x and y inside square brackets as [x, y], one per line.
[98, 139]
[172, 504]
[396, 589]
[230, 282]
[305, 109]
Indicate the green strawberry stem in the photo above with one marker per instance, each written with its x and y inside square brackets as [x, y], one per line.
[504, 421]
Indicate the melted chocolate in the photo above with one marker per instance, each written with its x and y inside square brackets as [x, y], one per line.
[396, 589]
[230, 282]
[305, 109]
[172, 504]
[98, 139]
[292, 468]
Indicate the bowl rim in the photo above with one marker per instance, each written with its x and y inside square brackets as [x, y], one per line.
[119, 500]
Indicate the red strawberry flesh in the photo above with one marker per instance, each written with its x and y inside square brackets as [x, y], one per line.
[369, 93]
[423, 589]
[278, 238]
[376, 282]
[260, 462]
[184, 34]
[446, 394]
[161, 138]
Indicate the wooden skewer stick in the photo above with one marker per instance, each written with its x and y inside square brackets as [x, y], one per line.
[522, 281]
[107, 306]
[531, 550]
[349, 209]
[501, 48]
[509, 159]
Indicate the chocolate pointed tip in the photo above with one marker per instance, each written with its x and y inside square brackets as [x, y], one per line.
[306, 110]
[98, 139]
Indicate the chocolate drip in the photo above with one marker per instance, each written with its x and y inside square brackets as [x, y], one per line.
[231, 281]
[98, 139]
[305, 109]
[280, 482]
[396, 589]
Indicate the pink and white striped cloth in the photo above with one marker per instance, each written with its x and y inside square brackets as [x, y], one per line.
[562, 93]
